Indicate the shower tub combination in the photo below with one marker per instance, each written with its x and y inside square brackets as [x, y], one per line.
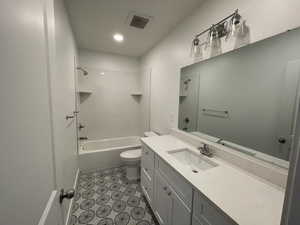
[105, 153]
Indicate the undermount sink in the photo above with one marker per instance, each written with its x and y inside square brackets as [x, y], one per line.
[193, 160]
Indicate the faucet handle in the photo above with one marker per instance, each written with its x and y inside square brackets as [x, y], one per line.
[203, 147]
[205, 150]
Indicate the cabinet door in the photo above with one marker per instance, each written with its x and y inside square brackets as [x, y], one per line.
[147, 187]
[163, 202]
[196, 221]
[180, 214]
[208, 214]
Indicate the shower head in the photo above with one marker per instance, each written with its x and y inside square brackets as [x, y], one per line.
[85, 73]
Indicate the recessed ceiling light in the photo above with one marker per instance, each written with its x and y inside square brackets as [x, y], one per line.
[102, 73]
[118, 37]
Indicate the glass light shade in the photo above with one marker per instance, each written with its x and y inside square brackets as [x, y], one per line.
[215, 43]
[233, 26]
[196, 50]
[215, 47]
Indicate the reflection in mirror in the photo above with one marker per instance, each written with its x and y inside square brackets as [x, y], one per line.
[245, 99]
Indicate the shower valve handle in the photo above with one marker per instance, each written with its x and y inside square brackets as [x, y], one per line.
[69, 117]
[281, 140]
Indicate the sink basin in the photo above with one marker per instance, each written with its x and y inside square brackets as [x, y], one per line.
[193, 160]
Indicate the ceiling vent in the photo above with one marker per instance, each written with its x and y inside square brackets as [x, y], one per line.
[138, 21]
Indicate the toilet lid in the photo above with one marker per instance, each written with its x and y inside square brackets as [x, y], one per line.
[132, 154]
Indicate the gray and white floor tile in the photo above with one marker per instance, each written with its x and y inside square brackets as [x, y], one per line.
[106, 197]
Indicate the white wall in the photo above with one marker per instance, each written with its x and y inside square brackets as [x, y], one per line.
[110, 111]
[26, 169]
[145, 82]
[63, 100]
[265, 18]
[112, 62]
[31, 31]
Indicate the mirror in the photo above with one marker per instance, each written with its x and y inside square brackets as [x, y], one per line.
[245, 99]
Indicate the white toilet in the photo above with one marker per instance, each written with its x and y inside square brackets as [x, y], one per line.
[132, 160]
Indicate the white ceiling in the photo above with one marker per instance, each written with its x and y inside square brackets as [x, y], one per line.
[95, 21]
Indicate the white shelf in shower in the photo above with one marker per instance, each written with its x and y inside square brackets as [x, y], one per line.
[137, 94]
[85, 91]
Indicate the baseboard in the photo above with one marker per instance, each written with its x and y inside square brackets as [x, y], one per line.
[50, 210]
[71, 202]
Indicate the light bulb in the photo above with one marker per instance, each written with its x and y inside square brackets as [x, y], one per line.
[196, 50]
[214, 42]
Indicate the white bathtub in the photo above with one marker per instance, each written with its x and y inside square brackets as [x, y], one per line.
[105, 153]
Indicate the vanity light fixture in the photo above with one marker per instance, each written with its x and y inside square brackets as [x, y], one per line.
[196, 50]
[214, 42]
[226, 27]
[118, 37]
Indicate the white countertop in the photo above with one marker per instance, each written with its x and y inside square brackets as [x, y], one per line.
[247, 199]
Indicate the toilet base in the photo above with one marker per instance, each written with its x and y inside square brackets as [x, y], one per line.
[132, 172]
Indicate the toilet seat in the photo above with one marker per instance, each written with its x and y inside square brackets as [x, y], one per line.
[132, 155]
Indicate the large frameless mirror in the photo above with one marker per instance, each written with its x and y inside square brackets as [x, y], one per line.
[246, 99]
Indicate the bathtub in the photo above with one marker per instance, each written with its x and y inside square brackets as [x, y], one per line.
[105, 153]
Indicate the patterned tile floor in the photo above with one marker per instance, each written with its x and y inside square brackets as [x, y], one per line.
[106, 197]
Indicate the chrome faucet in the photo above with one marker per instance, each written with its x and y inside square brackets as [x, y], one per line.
[204, 150]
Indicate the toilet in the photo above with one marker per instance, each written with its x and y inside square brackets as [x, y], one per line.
[132, 160]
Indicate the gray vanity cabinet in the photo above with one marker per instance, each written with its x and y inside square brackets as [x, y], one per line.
[205, 213]
[165, 190]
[162, 200]
[147, 173]
[172, 198]
[169, 208]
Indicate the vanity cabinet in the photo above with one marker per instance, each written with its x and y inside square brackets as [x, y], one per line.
[162, 200]
[147, 163]
[205, 213]
[172, 198]
[147, 173]
[169, 207]
[180, 186]
[168, 194]
[147, 186]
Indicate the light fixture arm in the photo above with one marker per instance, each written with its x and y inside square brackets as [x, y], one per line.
[215, 25]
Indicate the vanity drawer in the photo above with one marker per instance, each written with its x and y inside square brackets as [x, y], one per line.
[181, 187]
[147, 156]
[148, 172]
[147, 187]
[205, 213]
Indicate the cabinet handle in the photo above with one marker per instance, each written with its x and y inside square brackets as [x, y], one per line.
[146, 169]
[165, 188]
[169, 193]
